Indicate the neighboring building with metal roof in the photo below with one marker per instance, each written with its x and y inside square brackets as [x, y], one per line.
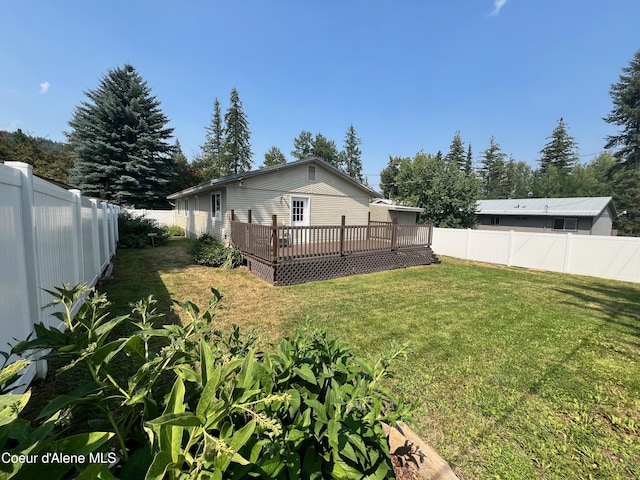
[579, 215]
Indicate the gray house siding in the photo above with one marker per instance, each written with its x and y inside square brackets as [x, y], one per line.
[603, 223]
[538, 224]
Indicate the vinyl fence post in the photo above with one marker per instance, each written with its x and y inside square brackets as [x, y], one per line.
[78, 240]
[30, 252]
[95, 240]
[566, 264]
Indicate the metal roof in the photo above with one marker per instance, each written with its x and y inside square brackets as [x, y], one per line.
[390, 205]
[262, 171]
[576, 206]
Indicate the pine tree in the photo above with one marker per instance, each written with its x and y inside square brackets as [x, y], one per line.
[626, 114]
[185, 174]
[302, 145]
[273, 157]
[456, 152]
[326, 149]
[493, 172]
[468, 164]
[210, 161]
[237, 147]
[352, 155]
[119, 136]
[560, 151]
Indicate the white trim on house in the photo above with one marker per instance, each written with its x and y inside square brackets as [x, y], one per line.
[216, 205]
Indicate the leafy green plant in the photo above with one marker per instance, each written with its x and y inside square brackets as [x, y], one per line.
[174, 231]
[133, 231]
[196, 402]
[209, 251]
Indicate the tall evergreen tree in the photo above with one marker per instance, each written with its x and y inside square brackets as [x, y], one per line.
[302, 145]
[468, 163]
[185, 174]
[237, 147]
[327, 150]
[210, 160]
[456, 152]
[493, 172]
[560, 151]
[273, 157]
[120, 138]
[519, 179]
[352, 155]
[625, 94]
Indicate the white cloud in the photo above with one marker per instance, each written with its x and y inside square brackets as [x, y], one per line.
[497, 6]
[44, 87]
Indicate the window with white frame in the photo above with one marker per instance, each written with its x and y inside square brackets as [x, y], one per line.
[311, 173]
[216, 205]
[570, 224]
[186, 207]
[196, 205]
[495, 220]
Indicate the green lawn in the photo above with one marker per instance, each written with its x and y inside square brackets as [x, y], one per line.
[517, 374]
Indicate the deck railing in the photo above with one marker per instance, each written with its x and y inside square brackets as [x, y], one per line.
[275, 243]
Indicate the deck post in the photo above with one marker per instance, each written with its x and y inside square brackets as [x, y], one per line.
[342, 224]
[274, 238]
[249, 216]
[369, 225]
[430, 233]
[394, 232]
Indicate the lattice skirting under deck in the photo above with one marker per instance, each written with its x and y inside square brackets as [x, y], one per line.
[324, 268]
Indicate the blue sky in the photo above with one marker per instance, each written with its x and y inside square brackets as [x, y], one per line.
[406, 73]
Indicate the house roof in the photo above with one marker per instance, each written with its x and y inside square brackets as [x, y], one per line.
[574, 206]
[390, 205]
[241, 176]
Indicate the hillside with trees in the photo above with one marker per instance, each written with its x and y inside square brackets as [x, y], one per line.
[51, 160]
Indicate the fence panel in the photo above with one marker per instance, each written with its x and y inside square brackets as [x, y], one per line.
[15, 303]
[49, 236]
[616, 258]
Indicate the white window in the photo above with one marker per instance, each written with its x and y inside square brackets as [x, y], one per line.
[495, 220]
[312, 173]
[186, 207]
[297, 211]
[196, 207]
[216, 205]
[565, 224]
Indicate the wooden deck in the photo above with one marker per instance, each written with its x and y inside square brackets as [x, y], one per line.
[284, 255]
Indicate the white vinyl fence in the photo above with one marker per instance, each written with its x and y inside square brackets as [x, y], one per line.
[48, 236]
[616, 258]
[165, 218]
